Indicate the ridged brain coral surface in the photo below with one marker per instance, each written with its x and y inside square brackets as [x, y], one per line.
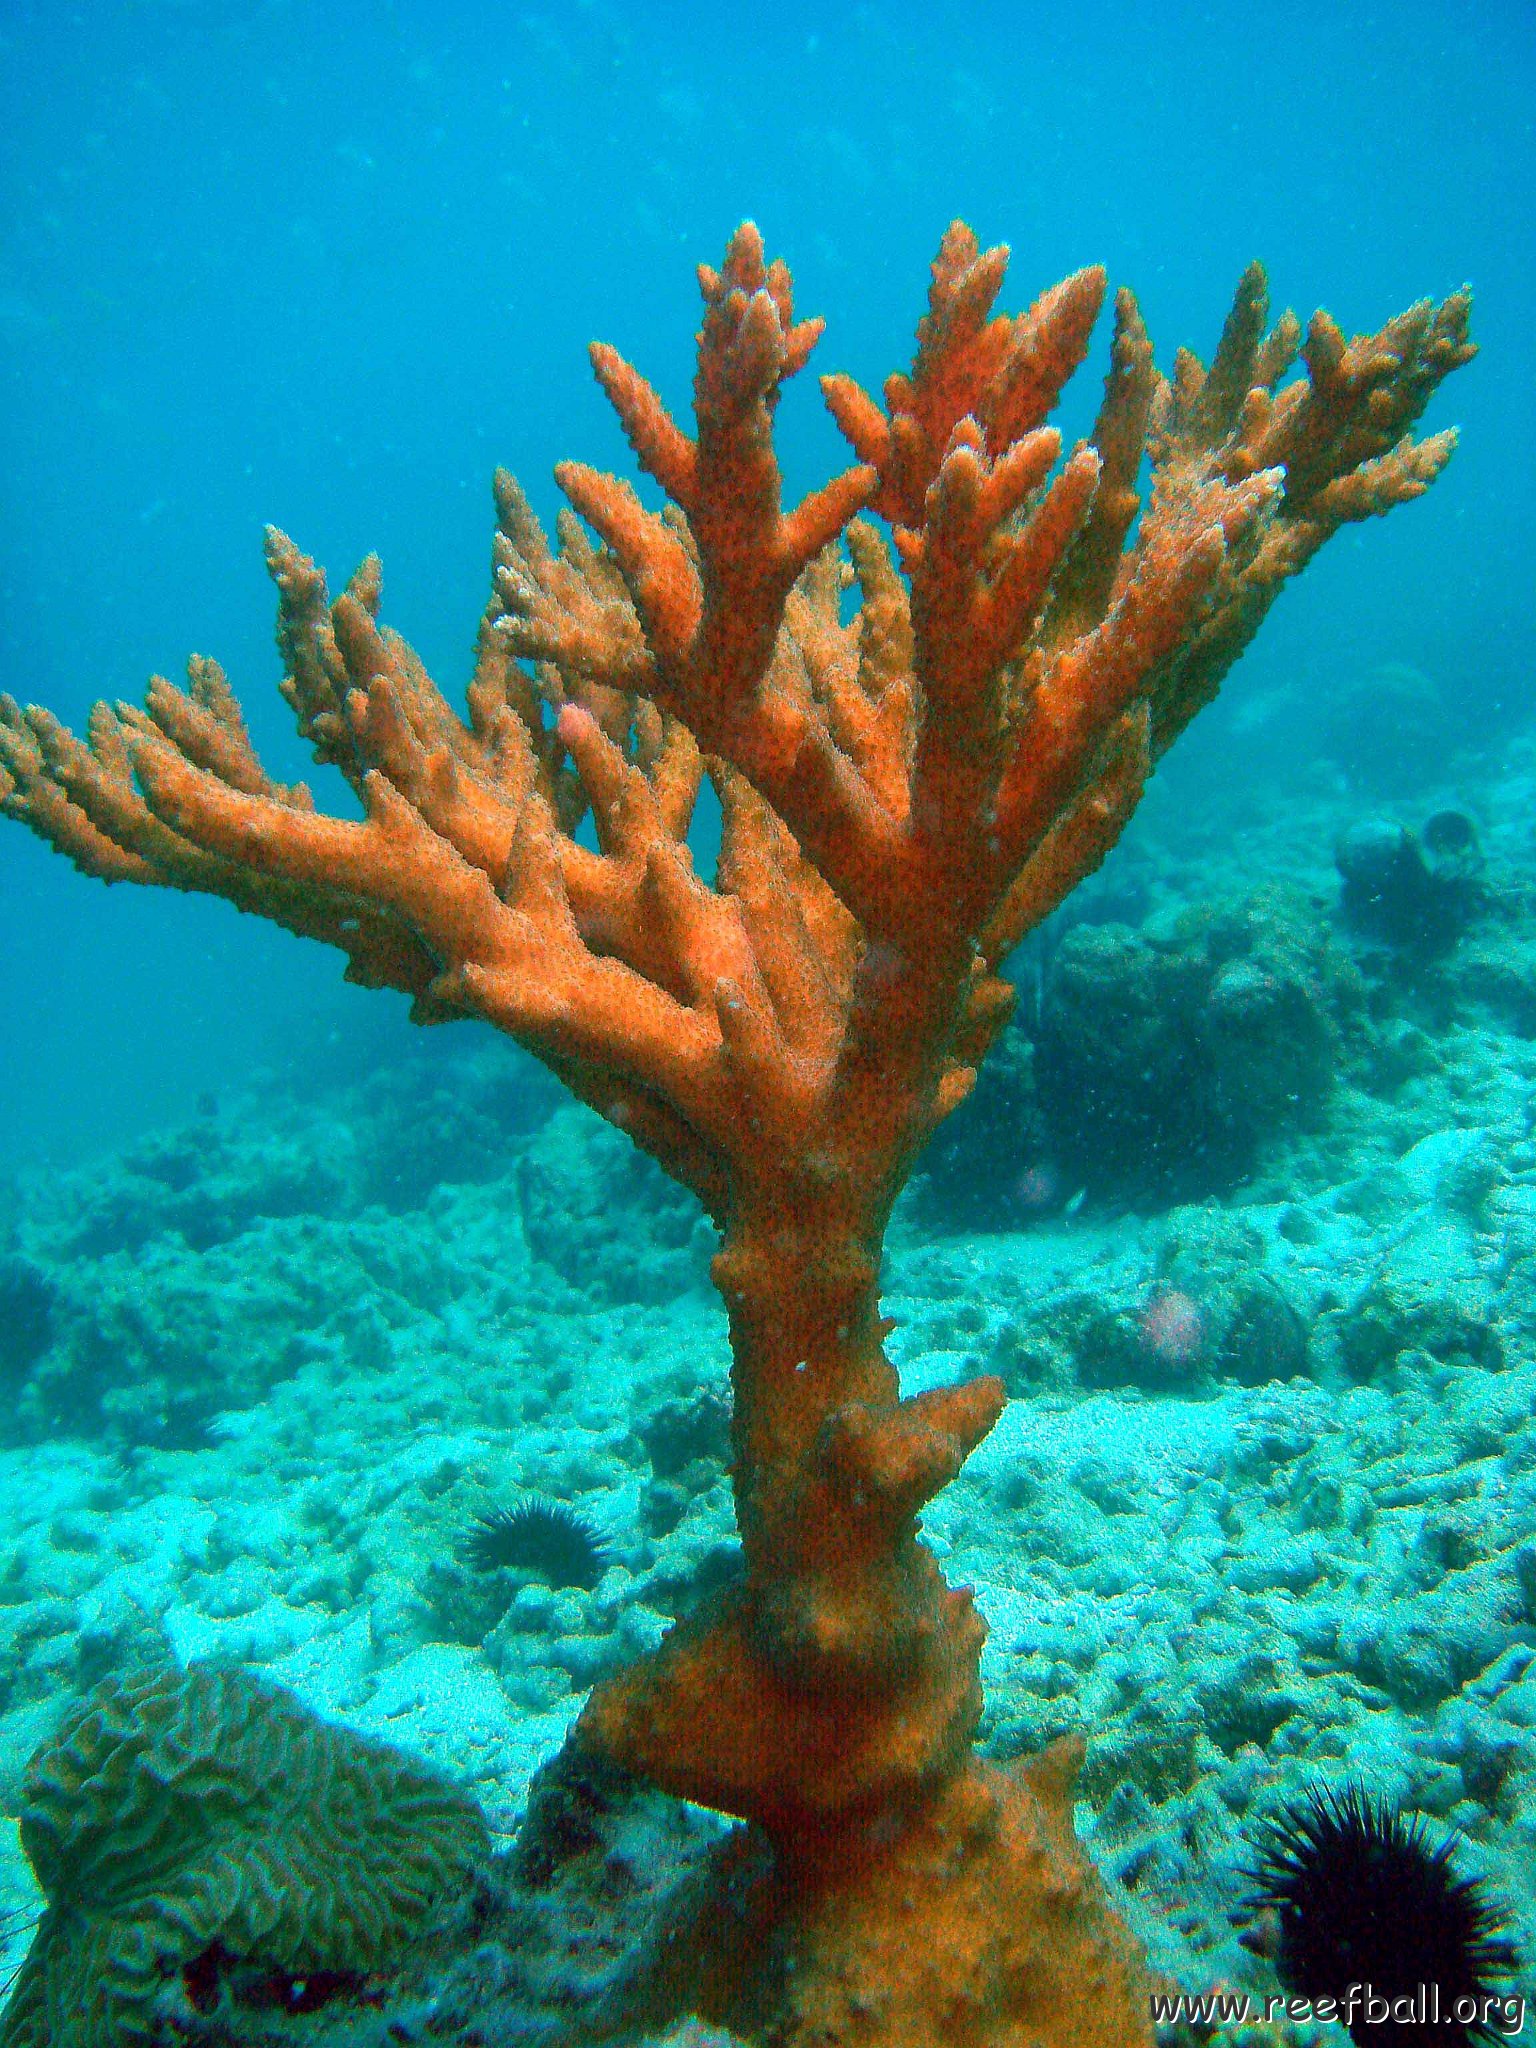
[183, 1808]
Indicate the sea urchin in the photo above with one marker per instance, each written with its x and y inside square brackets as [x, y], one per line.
[543, 1536]
[1363, 1897]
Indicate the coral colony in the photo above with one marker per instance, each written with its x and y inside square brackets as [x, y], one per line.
[178, 1818]
[905, 793]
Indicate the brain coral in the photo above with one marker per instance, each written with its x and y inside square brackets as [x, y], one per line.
[180, 1809]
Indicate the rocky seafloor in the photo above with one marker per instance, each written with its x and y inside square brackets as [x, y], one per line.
[1245, 1218]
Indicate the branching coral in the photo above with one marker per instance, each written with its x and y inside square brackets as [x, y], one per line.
[904, 794]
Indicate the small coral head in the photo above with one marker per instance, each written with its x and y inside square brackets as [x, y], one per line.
[1037, 1189]
[1171, 1327]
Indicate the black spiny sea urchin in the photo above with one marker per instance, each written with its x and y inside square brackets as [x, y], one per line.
[1362, 1896]
[543, 1536]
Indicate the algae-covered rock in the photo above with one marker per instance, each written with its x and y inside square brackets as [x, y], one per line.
[1429, 1297]
[602, 1221]
[180, 1815]
[1168, 1058]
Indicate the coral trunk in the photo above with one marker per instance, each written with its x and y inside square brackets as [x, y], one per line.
[840, 1673]
[968, 1919]
[896, 1890]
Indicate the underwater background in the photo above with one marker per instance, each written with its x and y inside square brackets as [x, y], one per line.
[294, 1296]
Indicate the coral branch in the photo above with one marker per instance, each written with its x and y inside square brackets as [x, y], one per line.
[921, 741]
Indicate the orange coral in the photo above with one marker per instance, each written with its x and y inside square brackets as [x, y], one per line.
[904, 794]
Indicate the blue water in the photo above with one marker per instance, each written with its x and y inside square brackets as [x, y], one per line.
[326, 265]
